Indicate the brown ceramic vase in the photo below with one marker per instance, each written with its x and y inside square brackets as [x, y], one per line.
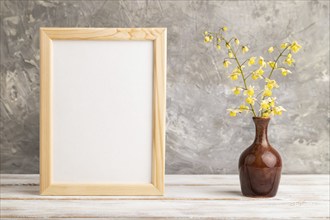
[260, 165]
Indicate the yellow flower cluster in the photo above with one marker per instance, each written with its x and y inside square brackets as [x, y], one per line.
[236, 90]
[295, 47]
[240, 109]
[270, 84]
[257, 73]
[233, 112]
[251, 61]
[235, 74]
[267, 103]
[285, 71]
[268, 107]
[289, 60]
[272, 64]
[208, 38]
[249, 92]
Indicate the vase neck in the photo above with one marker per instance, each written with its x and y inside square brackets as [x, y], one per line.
[261, 125]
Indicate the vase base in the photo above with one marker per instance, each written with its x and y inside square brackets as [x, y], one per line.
[259, 196]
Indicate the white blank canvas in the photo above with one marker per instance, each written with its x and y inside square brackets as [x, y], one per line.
[102, 111]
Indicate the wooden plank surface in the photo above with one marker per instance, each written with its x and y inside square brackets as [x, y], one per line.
[199, 196]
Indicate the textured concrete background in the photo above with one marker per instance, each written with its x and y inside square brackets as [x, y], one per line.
[201, 138]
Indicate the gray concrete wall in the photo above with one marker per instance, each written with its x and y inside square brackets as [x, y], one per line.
[201, 138]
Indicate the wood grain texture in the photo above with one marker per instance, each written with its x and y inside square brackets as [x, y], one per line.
[102, 189]
[45, 111]
[186, 197]
[159, 111]
[103, 33]
[158, 36]
[185, 180]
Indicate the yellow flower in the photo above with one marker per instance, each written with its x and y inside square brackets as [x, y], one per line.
[236, 41]
[272, 64]
[271, 101]
[262, 62]
[289, 60]
[264, 105]
[227, 45]
[226, 63]
[271, 84]
[224, 28]
[245, 49]
[219, 40]
[232, 112]
[234, 76]
[207, 39]
[270, 50]
[230, 55]
[266, 114]
[243, 108]
[267, 92]
[249, 91]
[285, 71]
[251, 61]
[206, 33]
[278, 110]
[218, 47]
[260, 71]
[284, 45]
[236, 90]
[250, 100]
[237, 70]
[257, 74]
[295, 47]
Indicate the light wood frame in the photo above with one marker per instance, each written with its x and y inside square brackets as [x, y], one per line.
[158, 36]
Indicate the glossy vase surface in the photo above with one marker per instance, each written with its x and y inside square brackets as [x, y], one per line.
[260, 164]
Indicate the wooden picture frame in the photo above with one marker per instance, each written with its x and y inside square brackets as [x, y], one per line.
[157, 36]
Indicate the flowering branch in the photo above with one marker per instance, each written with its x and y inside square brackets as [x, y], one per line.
[267, 103]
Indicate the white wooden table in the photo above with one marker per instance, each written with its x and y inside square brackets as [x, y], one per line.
[198, 196]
